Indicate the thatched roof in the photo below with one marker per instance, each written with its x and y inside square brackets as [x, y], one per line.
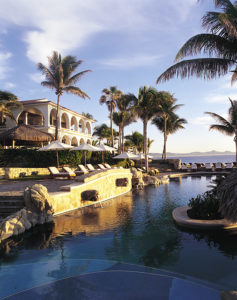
[227, 194]
[25, 133]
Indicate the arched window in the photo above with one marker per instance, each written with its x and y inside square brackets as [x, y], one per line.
[53, 115]
[88, 128]
[82, 141]
[81, 126]
[66, 140]
[74, 142]
[89, 142]
[64, 121]
[74, 124]
[31, 116]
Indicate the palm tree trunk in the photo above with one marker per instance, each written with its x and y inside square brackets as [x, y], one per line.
[57, 118]
[236, 146]
[165, 139]
[111, 125]
[145, 143]
[122, 139]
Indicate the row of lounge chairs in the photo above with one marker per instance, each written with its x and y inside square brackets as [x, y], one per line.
[82, 170]
[207, 167]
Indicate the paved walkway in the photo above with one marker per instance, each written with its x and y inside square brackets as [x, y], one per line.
[16, 187]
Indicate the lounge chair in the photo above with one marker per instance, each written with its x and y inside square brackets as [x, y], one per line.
[218, 166]
[229, 166]
[208, 167]
[107, 166]
[184, 168]
[54, 172]
[82, 170]
[140, 170]
[90, 168]
[102, 167]
[194, 167]
[70, 171]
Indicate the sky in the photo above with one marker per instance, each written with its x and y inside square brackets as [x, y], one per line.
[126, 43]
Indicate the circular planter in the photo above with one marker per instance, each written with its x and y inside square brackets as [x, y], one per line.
[181, 217]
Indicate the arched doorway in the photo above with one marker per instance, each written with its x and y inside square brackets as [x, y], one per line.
[31, 116]
[81, 126]
[53, 116]
[88, 128]
[74, 125]
[64, 121]
[66, 140]
[74, 142]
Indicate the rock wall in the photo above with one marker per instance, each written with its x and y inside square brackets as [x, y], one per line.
[11, 173]
[38, 210]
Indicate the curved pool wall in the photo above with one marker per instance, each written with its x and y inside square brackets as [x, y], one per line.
[134, 230]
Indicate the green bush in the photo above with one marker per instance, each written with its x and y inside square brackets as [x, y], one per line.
[39, 159]
[126, 163]
[204, 207]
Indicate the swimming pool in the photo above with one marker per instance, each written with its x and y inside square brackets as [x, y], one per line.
[135, 232]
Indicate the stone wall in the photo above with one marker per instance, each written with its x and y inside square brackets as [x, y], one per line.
[104, 183]
[12, 173]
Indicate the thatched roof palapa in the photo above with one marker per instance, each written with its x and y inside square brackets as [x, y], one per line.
[24, 132]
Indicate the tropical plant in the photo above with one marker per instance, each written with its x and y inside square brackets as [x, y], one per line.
[60, 76]
[103, 132]
[7, 102]
[135, 141]
[167, 121]
[110, 97]
[126, 105]
[228, 127]
[87, 115]
[148, 102]
[220, 41]
[149, 143]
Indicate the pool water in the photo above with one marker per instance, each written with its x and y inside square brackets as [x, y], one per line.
[133, 233]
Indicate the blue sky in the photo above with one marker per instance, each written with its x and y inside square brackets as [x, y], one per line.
[127, 43]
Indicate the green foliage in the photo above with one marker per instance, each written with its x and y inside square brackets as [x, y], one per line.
[205, 206]
[126, 163]
[42, 159]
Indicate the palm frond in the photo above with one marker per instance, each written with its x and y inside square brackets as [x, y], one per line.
[76, 91]
[75, 78]
[207, 68]
[48, 74]
[223, 129]
[209, 44]
[48, 84]
[219, 118]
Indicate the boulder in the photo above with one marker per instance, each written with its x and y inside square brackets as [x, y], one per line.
[137, 179]
[151, 180]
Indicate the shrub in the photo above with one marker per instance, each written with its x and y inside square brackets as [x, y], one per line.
[126, 163]
[204, 206]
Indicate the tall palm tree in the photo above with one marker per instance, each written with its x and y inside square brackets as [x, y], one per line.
[118, 120]
[220, 41]
[7, 102]
[126, 105]
[166, 114]
[103, 132]
[228, 127]
[147, 105]
[60, 77]
[168, 126]
[149, 143]
[110, 97]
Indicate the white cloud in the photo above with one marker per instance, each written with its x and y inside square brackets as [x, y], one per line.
[9, 85]
[55, 25]
[137, 60]
[203, 120]
[4, 64]
[217, 98]
[37, 77]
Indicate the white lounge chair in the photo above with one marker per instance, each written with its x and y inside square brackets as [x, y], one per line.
[90, 168]
[194, 167]
[218, 166]
[229, 166]
[82, 169]
[107, 166]
[101, 167]
[208, 167]
[54, 172]
[71, 172]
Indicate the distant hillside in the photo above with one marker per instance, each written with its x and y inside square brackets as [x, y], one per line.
[197, 153]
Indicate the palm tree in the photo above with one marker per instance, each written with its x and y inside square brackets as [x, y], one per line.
[168, 126]
[219, 41]
[148, 102]
[135, 140]
[126, 105]
[7, 102]
[87, 115]
[228, 127]
[103, 132]
[149, 143]
[59, 76]
[166, 114]
[110, 97]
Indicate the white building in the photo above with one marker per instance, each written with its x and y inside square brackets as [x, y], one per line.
[74, 128]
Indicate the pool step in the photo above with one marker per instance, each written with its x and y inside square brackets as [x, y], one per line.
[10, 204]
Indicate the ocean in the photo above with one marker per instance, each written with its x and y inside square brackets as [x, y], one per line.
[202, 159]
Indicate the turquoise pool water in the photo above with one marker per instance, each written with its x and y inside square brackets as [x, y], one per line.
[135, 232]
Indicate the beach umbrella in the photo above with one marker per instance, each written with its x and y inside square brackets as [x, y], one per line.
[141, 157]
[85, 147]
[105, 148]
[125, 155]
[56, 146]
